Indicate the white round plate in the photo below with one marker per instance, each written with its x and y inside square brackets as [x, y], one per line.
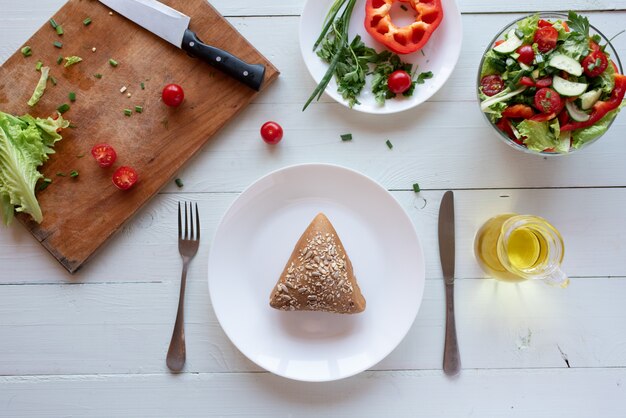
[440, 54]
[254, 241]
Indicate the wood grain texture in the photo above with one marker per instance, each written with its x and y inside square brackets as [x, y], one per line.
[81, 214]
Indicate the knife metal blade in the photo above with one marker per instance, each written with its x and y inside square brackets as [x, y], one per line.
[451, 356]
[173, 26]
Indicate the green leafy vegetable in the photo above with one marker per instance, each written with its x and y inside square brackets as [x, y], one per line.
[539, 136]
[72, 60]
[40, 88]
[575, 47]
[25, 143]
[578, 23]
[387, 64]
[492, 64]
[424, 76]
[582, 136]
[528, 26]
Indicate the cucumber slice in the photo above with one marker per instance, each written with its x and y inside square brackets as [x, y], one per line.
[568, 88]
[567, 64]
[510, 45]
[575, 113]
[588, 99]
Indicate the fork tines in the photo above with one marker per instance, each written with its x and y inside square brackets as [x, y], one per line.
[190, 225]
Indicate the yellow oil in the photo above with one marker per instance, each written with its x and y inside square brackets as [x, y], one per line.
[527, 249]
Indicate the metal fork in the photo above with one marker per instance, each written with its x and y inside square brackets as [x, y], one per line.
[188, 247]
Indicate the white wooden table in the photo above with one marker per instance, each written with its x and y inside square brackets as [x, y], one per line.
[94, 344]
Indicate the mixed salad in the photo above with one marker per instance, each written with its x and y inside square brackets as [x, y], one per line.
[549, 85]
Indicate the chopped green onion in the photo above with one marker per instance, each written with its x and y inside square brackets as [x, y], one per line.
[138, 109]
[63, 108]
[416, 188]
[60, 174]
[548, 94]
[128, 112]
[591, 66]
[58, 44]
[179, 182]
[53, 81]
[98, 75]
[59, 60]
[598, 62]
[143, 86]
[59, 30]
[519, 33]
[72, 126]
[389, 144]
[72, 60]
[403, 7]
[74, 173]
[346, 137]
[80, 155]
[72, 96]
[53, 23]
[46, 182]
[113, 62]
[26, 51]
[87, 21]
[38, 65]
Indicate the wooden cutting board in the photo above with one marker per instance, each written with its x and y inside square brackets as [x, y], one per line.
[82, 213]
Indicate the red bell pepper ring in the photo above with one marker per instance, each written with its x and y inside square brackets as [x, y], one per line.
[518, 111]
[601, 108]
[405, 39]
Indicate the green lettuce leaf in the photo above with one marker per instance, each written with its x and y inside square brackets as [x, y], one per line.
[492, 64]
[528, 26]
[582, 136]
[575, 47]
[607, 83]
[40, 88]
[538, 135]
[69, 61]
[25, 143]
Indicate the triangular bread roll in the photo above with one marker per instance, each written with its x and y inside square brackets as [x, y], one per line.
[318, 275]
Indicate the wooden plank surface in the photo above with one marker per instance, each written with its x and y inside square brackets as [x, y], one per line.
[93, 344]
[81, 214]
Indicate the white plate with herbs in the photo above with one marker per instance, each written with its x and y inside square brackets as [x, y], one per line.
[254, 241]
[432, 65]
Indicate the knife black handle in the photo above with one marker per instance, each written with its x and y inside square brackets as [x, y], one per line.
[249, 74]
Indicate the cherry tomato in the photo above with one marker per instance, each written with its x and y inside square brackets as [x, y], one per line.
[527, 81]
[399, 81]
[104, 154]
[492, 84]
[518, 111]
[548, 101]
[526, 54]
[543, 23]
[124, 178]
[595, 63]
[271, 132]
[545, 38]
[543, 82]
[173, 95]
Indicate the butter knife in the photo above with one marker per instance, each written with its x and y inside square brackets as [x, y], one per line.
[451, 357]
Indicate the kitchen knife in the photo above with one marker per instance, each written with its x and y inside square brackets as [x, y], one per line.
[173, 26]
[451, 357]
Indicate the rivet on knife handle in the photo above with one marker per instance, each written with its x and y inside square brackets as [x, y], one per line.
[249, 74]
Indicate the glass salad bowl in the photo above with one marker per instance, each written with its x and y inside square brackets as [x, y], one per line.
[552, 17]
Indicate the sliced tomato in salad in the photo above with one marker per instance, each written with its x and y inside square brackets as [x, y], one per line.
[595, 63]
[492, 84]
[543, 117]
[518, 111]
[543, 82]
[548, 101]
[526, 54]
[543, 23]
[546, 38]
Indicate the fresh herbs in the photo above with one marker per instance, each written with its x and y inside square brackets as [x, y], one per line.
[578, 24]
[350, 62]
[424, 76]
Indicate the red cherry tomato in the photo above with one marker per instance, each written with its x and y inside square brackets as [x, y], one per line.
[545, 38]
[548, 101]
[543, 82]
[543, 23]
[526, 54]
[492, 84]
[595, 63]
[271, 132]
[173, 95]
[104, 154]
[527, 81]
[124, 178]
[399, 81]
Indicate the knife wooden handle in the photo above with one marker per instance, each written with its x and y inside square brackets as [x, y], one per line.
[249, 74]
[451, 356]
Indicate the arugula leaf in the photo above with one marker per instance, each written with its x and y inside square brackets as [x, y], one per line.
[578, 23]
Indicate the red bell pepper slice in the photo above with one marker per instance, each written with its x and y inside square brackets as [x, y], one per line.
[404, 39]
[505, 126]
[601, 108]
[518, 111]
